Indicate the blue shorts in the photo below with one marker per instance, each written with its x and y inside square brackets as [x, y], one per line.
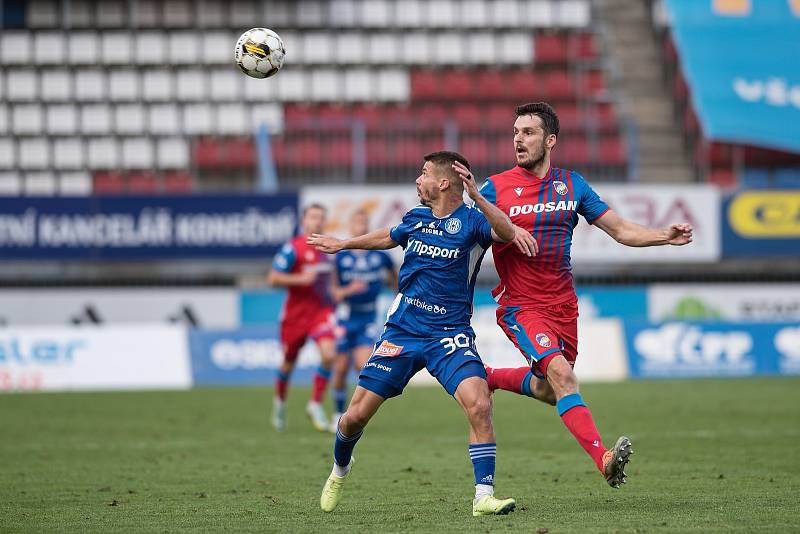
[357, 334]
[398, 356]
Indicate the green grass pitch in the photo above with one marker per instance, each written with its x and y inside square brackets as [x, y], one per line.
[711, 456]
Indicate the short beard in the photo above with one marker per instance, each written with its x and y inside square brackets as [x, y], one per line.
[535, 163]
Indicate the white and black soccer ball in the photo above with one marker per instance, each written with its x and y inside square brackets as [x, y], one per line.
[260, 53]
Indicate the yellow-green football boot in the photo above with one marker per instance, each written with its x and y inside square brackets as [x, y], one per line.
[332, 491]
[489, 505]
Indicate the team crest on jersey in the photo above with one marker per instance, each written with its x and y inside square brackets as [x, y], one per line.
[543, 340]
[387, 348]
[561, 188]
[453, 226]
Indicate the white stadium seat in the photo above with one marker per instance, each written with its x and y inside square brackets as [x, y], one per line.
[90, 85]
[292, 85]
[278, 14]
[27, 119]
[441, 14]
[506, 14]
[129, 119]
[232, 119]
[15, 47]
[112, 13]
[226, 84]
[137, 153]
[172, 153]
[474, 14]
[342, 13]
[448, 49]
[480, 48]
[393, 85]
[49, 48]
[293, 43]
[259, 90]
[146, 13]
[269, 114]
[123, 85]
[68, 153]
[217, 47]
[5, 127]
[416, 49]
[10, 182]
[318, 48]
[79, 14]
[182, 48]
[34, 153]
[197, 119]
[151, 48]
[21, 85]
[75, 184]
[96, 119]
[157, 85]
[103, 153]
[516, 48]
[310, 13]
[191, 85]
[242, 13]
[376, 14]
[211, 13]
[574, 13]
[83, 48]
[2, 94]
[177, 13]
[383, 49]
[7, 153]
[326, 85]
[409, 14]
[358, 85]
[62, 119]
[539, 13]
[117, 48]
[40, 184]
[56, 85]
[43, 13]
[351, 48]
[164, 119]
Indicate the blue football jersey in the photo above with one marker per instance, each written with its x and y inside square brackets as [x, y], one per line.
[440, 266]
[369, 266]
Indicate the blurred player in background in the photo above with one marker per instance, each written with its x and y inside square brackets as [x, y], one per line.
[538, 307]
[428, 325]
[307, 313]
[359, 276]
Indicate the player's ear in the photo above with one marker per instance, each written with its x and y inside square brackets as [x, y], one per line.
[550, 141]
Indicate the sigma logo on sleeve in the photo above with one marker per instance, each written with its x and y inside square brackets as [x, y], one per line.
[387, 348]
[453, 225]
[543, 340]
[561, 188]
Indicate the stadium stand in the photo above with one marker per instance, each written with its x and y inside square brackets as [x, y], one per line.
[145, 91]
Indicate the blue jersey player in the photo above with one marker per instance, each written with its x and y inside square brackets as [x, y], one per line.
[359, 276]
[428, 324]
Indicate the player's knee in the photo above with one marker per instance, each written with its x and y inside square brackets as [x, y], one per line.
[480, 410]
[561, 376]
[355, 419]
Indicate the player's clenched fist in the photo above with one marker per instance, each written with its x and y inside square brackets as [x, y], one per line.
[325, 243]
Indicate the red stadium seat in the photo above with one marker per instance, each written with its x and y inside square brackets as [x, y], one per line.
[240, 154]
[571, 152]
[333, 114]
[557, 85]
[585, 46]
[499, 117]
[304, 152]
[592, 83]
[278, 146]
[425, 85]
[178, 182]
[431, 114]
[298, 115]
[569, 117]
[407, 151]
[207, 153]
[469, 117]
[458, 85]
[606, 117]
[109, 183]
[338, 152]
[476, 149]
[491, 85]
[377, 152]
[502, 151]
[143, 183]
[523, 85]
[371, 115]
[611, 151]
[550, 48]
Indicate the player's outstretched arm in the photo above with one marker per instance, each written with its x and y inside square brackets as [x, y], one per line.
[375, 240]
[279, 279]
[634, 235]
[501, 225]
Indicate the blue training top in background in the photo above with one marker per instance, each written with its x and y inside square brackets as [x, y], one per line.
[371, 267]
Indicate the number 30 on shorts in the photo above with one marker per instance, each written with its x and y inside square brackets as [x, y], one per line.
[460, 341]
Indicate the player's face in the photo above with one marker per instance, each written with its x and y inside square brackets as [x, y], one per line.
[313, 221]
[530, 144]
[359, 224]
[428, 183]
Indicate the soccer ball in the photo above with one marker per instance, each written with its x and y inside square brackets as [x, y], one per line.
[260, 53]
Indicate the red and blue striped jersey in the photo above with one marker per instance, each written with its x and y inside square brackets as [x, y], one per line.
[302, 302]
[548, 207]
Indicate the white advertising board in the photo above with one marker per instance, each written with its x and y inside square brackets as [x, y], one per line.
[207, 307]
[730, 302]
[94, 358]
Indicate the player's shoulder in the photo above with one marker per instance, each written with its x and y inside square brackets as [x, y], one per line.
[420, 211]
[568, 175]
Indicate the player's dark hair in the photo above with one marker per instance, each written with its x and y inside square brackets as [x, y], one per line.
[314, 206]
[446, 158]
[544, 111]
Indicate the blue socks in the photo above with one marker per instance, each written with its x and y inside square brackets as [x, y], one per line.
[343, 448]
[483, 457]
[568, 402]
[526, 384]
[339, 398]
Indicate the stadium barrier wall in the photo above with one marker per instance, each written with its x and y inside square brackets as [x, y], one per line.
[63, 358]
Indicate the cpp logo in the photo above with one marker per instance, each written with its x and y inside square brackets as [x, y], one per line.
[689, 344]
[228, 354]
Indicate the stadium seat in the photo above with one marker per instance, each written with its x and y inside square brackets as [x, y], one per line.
[232, 119]
[611, 151]
[591, 83]
[21, 85]
[475, 149]
[343, 14]
[303, 153]
[111, 13]
[129, 119]
[142, 183]
[33, 153]
[431, 114]
[326, 85]
[56, 85]
[358, 85]
[473, 14]
[490, 84]
[80, 15]
[569, 117]
[210, 13]
[109, 183]
[457, 85]
[293, 86]
[310, 13]
[43, 13]
[448, 49]
[393, 85]
[351, 48]
[557, 85]
[723, 177]
[516, 48]
[177, 183]
[137, 153]
[585, 46]
[146, 13]
[383, 49]
[523, 85]
[164, 119]
[172, 153]
[469, 117]
[68, 153]
[27, 119]
[440, 13]
[409, 14]
[5, 119]
[378, 153]
[49, 48]
[157, 85]
[370, 115]
[207, 153]
[225, 85]
[216, 47]
[96, 119]
[190, 85]
[116, 48]
[123, 85]
[499, 117]
[177, 13]
[376, 14]
[480, 48]
[539, 13]
[61, 119]
[197, 119]
[318, 48]
[416, 49]
[42, 183]
[338, 151]
[279, 15]
[178, 43]
[256, 90]
[103, 153]
[10, 184]
[506, 14]
[572, 152]
[15, 47]
[573, 13]
[425, 84]
[77, 183]
[151, 48]
[550, 49]
[7, 153]
[83, 48]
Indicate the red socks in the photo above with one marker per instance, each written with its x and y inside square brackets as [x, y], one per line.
[514, 379]
[321, 378]
[578, 419]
